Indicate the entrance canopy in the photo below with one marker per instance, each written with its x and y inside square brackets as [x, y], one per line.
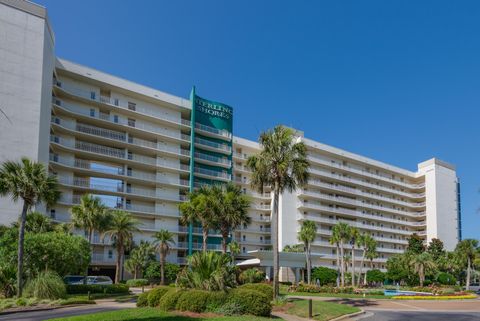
[265, 258]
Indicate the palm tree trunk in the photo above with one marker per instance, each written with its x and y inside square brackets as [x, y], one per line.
[90, 237]
[224, 243]
[274, 226]
[342, 269]
[205, 237]
[119, 261]
[467, 285]
[21, 239]
[338, 262]
[309, 265]
[353, 264]
[162, 268]
[361, 267]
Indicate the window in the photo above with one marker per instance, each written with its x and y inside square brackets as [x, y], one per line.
[115, 118]
[115, 101]
[243, 237]
[52, 214]
[129, 171]
[110, 254]
[131, 122]
[244, 250]
[132, 106]
[130, 155]
[92, 95]
[92, 112]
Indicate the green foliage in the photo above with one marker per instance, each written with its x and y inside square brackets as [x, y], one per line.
[153, 274]
[324, 275]
[97, 288]
[297, 248]
[142, 300]
[137, 282]
[252, 275]
[260, 287]
[209, 271]
[140, 258]
[436, 250]
[446, 278]
[415, 244]
[7, 280]
[47, 285]
[200, 301]
[169, 300]
[375, 276]
[310, 288]
[250, 302]
[155, 295]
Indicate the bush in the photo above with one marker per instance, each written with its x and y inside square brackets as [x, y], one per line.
[152, 272]
[137, 282]
[194, 301]
[142, 300]
[446, 279]
[324, 275]
[169, 300]
[252, 275]
[47, 285]
[95, 288]
[155, 295]
[260, 287]
[310, 288]
[375, 276]
[250, 302]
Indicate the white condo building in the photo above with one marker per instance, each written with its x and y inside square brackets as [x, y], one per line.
[131, 146]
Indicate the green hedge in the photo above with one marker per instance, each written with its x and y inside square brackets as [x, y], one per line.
[324, 275]
[200, 301]
[169, 300]
[137, 282]
[310, 288]
[260, 287]
[250, 302]
[142, 300]
[94, 288]
[156, 294]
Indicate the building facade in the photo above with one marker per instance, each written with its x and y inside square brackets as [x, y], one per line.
[142, 150]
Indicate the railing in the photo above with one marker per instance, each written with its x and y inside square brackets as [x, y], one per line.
[212, 158]
[208, 143]
[96, 257]
[261, 207]
[240, 155]
[213, 173]
[220, 132]
[242, 168]
[102, 132]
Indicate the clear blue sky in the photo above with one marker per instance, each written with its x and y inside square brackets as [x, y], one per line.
[398, 81]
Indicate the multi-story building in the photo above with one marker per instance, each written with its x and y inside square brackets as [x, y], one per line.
[142, 150]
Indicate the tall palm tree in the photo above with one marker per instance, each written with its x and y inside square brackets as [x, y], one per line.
[335, 240]
[90, 215]
[120, 230]
[466, 251]
[344, 237]
[282, 164]
[139, 258]
[164, 240]
[201, 207]
[354, 234]
[30, 182]
[366, 242]
[421, 263]
[307, 234]
[234, 249]
[371, 254]
[234, 212]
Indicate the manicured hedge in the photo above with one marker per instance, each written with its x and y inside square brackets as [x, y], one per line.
[310, 288]
[137, 282]
[200, 301]
[142, 300]
[260, 287]
[169, 300]
[85, 288]
[250, 302]
[156, 294]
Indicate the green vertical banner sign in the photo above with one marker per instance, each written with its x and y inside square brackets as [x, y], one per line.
[213, 114]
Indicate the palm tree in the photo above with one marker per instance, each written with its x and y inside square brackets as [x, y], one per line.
[354, 234]
[367, 242]
[344, 237]
[421, 263]
[371, 254]
[30, 182]
[282, 164]
[466, 251]
[201, 207]
[139, 258]
[335, 240]
[234, 212]
[120, 230]
[90, 215]
[164, 240]
[234, 249]
[307, 235]
[37, 223]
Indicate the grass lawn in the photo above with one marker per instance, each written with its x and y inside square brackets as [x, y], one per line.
[321, 310]
[152, 314]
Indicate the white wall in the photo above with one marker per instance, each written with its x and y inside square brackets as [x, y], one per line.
[26, 68]
[287, 219]
[441, 201]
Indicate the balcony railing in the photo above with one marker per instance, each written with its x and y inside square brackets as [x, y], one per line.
[213, 159]
[219, 132]
[211, 144]
[213, 173]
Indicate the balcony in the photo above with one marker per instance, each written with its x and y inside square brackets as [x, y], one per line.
[210, 131]
[261, 207]
[212, 174]
[240, 156]
[212, 146]
[212, 160]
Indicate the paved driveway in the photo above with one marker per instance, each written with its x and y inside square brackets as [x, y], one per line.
[420, 316]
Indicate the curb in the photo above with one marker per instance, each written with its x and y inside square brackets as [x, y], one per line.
[348, 315]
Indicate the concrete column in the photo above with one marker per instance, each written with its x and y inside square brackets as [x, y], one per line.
[297, 275]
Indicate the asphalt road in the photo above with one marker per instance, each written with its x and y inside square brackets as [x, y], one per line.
[420, 316]
[57, 313]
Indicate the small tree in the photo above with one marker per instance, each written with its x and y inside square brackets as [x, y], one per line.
[307, 235]
[466, 252]
[30, 182]
[415, 244]
[421, 263]
[234, 249]
[139, 258]
[375, 276]
[324, 275]
[164, 240]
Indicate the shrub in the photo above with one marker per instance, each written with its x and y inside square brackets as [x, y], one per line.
[229, 308]
[169, 300]
[375, 276]
[252, 275]
[142, 300]
[152, 272]
[260, 287]
[324, 275]
[95, 288]
[47, 285]
[310, 288]
[194, 301]
[137, 282]
[446, 279]
[250, 302]
[155, 295]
